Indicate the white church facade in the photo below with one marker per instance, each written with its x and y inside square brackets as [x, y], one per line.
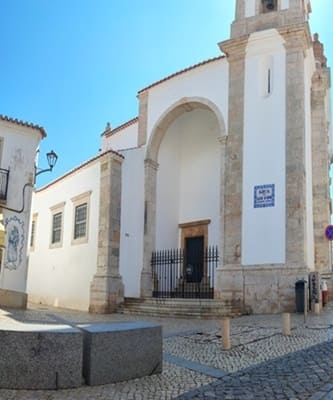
[218, 189]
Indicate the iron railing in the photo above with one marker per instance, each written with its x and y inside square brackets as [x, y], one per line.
[174, 278]
[4, 175]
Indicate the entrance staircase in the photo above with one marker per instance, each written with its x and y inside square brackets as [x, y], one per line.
[179, 308]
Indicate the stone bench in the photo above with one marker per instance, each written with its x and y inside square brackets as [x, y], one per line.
[40, 356]
[117, 352]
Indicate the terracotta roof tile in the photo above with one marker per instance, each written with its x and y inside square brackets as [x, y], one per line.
[23, 123]
[182, 72]
[72, 171]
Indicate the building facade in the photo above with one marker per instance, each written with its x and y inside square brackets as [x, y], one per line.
[19, 142]
[231, 155]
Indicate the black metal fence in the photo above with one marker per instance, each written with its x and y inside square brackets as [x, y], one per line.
[4, 175]
[174, 278]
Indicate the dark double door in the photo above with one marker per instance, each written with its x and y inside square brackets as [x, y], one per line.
[194, 259]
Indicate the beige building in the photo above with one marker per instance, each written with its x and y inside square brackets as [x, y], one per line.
[218, 190]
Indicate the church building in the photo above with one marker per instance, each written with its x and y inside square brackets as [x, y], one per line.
[218, 190]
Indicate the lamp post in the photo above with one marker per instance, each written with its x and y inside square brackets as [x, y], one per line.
[51, 160]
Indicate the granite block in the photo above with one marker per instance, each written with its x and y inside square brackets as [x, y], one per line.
[118, 352]
[40, 357]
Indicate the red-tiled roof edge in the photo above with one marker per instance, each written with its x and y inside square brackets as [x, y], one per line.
[23, 123]
[120, 127]
[70, 172]
[200, 64]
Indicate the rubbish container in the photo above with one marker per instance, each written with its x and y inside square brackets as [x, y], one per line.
[300, 287]
[324, 292]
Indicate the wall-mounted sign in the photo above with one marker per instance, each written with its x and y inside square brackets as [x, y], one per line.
[264, 196]
[329, 232]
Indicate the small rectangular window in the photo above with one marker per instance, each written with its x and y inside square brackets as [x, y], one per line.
[33, 232]
[57, 225]
[32, 235]
[56, 228]
[80, 224]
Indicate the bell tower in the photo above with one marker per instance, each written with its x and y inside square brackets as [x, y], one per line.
[255, 15]
[268, 215]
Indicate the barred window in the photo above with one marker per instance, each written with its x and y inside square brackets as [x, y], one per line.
[80, 224]
[56, 227]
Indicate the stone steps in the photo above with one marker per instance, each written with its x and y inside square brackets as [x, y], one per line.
[179, 308]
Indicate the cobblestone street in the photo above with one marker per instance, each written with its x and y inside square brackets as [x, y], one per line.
[262, 363]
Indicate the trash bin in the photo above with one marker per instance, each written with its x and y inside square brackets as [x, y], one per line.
[300, 287]
[324, 292]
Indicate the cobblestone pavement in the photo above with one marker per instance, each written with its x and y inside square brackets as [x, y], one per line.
[262, 363]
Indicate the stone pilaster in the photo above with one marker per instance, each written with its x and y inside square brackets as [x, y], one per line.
[223, 144]
[229, 284]
[321, 155]
[235, 51]
[151, 167]
[107, 289]
[143, 118]
[296, 43]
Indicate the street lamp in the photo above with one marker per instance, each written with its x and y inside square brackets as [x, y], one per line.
[51, 160]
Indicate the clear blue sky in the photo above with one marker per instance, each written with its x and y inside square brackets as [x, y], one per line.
[73, 65]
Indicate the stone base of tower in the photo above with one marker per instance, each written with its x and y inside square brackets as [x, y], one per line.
[106, 294]
[259, 289]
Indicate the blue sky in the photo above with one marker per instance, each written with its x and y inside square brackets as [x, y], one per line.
[73, 65]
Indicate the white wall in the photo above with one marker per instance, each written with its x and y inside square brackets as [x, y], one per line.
[209, 81]
[132, 220]
[284, 5]
[250, 8]
[188, 183]
[126, 138]
[263, 229]
[18, 154]
[61, 276]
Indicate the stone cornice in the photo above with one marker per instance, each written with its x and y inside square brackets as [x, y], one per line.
[234, 48]
[151, 164]
[296, 36]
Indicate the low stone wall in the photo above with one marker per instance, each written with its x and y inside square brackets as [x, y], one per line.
[11, 298]
[61, 356]
[40, 357]
[120, 352]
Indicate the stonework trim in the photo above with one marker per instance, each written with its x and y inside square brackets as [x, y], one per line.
[186, 104]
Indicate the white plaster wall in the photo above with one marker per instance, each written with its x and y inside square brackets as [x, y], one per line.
[132, 220]
[250, 8]
[126, 138]
[18, 154]
[263, 229]
[309, 68]
[61, 276]
[284, 5]
[188, 181]
[209, 81]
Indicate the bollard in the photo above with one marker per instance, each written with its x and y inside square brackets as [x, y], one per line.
[286, 324]
[317, 308]
[226, 334]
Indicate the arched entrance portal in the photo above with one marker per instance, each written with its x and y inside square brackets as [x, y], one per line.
[183, 179]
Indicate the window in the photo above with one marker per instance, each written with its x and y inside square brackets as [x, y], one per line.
[80, 223]
[81, 204]
[57, 219]
[33, 232]
[269, 5]
[266, 75]
[56, 228]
